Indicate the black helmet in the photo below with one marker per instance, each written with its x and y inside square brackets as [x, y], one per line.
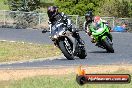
[89, 16]
[52, 11]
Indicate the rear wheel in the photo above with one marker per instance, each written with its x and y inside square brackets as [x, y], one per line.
[108, 45]
[82, 53]
[67, 49]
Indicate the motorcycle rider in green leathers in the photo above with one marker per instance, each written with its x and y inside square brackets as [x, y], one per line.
[93, 23]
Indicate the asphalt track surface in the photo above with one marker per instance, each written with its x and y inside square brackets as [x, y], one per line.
[95, 56]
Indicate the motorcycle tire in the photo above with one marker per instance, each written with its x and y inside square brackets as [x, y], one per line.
[108, 46]
[82, 54]
[64, 51]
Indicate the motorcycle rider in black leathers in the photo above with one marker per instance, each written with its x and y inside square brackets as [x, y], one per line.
[89, 17]
[55, 16]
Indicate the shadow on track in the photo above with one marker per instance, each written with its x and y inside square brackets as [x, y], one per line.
[65, 59]
[98, 52]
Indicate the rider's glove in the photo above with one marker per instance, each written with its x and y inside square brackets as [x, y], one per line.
[69, 27]
[50, 25]
[49, 22]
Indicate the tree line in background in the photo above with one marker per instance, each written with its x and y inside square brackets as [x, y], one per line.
[116, 8]
[23, 5]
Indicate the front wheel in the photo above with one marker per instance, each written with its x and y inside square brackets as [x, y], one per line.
[66, 49]
[108, 45]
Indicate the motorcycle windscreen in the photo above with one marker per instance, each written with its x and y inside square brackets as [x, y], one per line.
[57, 30]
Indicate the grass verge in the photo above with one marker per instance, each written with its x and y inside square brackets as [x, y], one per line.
[15, 51]
[66, 78]
[63, 81]
[3, 5]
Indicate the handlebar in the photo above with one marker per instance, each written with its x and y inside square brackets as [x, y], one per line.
[45, 30]
[75, 30]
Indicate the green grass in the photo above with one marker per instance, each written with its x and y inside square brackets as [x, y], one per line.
[3, 6]
[65, 81]
[15, 51]
[47, 1]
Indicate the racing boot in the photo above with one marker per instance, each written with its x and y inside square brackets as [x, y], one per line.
[80, 42]
[77, 36]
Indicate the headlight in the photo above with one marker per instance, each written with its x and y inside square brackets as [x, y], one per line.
[55, 36]
[61, 32]
[100, 30]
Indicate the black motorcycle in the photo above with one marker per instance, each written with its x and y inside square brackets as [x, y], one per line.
[65, 41]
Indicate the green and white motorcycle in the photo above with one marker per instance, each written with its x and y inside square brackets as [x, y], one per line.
[103, 37]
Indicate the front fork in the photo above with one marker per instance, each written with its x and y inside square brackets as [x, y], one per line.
[109, 38]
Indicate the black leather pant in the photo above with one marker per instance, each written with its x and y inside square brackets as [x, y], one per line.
[77, 36]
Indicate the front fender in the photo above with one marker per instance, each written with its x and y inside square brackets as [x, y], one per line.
[72, 40]
[103, 38]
